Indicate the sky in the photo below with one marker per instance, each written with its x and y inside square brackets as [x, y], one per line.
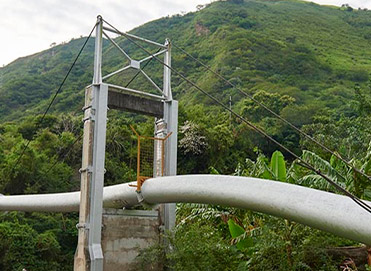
[30, 26]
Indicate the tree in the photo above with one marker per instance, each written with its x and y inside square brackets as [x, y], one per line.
[22, 247]
[193, 142]
[276, 102]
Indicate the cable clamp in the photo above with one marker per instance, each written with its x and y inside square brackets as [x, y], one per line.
[140, 196]
[82, 226]
[87, 169]
[88, 118]
[86, 107]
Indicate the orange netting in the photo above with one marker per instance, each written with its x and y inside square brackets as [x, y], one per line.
[150, 157]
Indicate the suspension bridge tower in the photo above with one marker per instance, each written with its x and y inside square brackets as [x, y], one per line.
[91, 253]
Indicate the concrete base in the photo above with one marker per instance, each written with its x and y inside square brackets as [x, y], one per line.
[124, 234]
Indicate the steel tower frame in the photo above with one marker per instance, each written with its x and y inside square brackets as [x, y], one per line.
[98, 97]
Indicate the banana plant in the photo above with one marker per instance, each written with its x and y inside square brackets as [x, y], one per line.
[297, 173]
[278, 167]
[242, 241]
[336, 170]
[275, 169]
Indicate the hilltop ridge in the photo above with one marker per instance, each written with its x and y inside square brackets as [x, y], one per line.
[292, 47]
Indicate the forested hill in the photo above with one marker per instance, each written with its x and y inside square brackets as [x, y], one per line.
[308, 63]
[315, 54]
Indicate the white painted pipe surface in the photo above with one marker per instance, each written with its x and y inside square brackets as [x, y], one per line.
[329, 212]
[318, 209]
[115, 196]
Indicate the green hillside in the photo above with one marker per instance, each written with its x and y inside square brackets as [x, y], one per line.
[308, 63]
[311, 52]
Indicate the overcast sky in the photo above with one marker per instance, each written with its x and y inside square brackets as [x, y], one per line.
[29, 26]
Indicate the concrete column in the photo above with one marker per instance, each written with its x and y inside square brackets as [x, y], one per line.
[124, 234]
[89, 254]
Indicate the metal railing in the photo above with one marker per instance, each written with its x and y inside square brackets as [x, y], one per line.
[150, 157]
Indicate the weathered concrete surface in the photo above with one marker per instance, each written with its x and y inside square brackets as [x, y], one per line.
[136, 104]
[124, 233]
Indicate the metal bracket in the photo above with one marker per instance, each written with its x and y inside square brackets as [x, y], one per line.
[135, 64]
[140, 196]
[91, 117]
[86, 107]
[87, 169]
[82, 226]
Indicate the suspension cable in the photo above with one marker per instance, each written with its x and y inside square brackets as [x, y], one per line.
[65, 154]
[54, 97]
[80, 136]
[364, 205]
[273, 113]
[138, 72]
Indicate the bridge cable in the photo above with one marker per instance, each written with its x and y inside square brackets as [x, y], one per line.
[138, 72]
[54, 97]
[274, 113]
[277, 115]
[81, 135]
[65, 154]
[357, 200]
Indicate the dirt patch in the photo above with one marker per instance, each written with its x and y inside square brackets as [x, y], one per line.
[201, 30]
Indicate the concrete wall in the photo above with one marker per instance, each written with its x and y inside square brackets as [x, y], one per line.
[124, 233]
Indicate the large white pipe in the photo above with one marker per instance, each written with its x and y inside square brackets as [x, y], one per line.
[115, 196]
[318, 209]
[329, 212]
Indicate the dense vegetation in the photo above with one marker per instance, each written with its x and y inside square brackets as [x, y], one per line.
[309, 63]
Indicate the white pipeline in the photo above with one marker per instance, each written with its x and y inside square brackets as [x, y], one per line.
[318, 209]
[115, 196]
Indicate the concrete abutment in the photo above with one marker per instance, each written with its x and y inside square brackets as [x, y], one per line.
[125, 233]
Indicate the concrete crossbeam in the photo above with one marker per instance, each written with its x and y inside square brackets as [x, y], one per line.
[136, 104]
